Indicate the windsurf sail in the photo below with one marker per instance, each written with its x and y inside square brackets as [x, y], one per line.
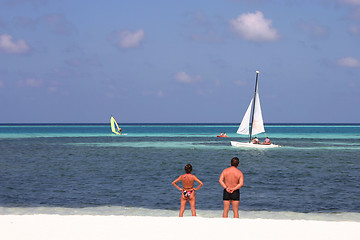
[114, 126]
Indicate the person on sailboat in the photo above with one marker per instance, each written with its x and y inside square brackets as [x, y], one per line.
[256, 141]
[267, 141]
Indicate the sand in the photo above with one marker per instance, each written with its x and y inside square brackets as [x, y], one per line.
[140, 227]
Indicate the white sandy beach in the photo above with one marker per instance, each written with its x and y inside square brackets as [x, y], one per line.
[48, 227]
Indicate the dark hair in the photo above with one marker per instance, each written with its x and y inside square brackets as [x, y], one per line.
[188, 168]
[235, 162]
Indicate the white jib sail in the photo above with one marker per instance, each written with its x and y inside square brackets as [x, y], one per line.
[244, 126]
[258, 123]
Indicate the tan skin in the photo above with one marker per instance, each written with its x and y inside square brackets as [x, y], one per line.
[188, 185]
[267, 141]
[231, 179]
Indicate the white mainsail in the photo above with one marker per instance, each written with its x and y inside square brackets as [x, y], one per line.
[258, 123]
[244, 126]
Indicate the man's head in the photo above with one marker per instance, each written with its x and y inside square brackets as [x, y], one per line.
[235, 162]
[188, 168]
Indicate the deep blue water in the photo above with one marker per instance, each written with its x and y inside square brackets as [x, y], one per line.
[317, 169]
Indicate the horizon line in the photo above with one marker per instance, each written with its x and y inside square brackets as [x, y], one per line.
[172, 123]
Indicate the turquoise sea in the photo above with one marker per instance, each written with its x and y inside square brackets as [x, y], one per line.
[85, 169]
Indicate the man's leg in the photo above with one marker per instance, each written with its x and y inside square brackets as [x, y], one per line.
[226, 208]
[235, 206]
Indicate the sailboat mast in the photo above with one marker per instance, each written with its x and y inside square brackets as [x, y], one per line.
[253, 110]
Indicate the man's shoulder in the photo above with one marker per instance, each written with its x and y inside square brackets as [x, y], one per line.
[233, 170]
[229, 169]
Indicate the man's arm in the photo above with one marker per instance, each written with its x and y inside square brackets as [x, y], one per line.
[241, 182]
[222, 183]
[221, 180]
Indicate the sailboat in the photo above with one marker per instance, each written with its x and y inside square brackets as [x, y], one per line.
[257, 123]
[114, 126]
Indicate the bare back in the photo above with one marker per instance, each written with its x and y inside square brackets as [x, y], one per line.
[188, 180]
[232, 177]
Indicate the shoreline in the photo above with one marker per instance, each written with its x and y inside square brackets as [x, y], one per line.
[47, 226]
[146, 212]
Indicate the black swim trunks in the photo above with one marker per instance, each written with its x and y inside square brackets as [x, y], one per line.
[235, 196]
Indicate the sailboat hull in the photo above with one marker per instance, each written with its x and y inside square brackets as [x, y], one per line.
[251, 145]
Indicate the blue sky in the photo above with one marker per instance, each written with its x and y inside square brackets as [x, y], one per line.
[179, 61]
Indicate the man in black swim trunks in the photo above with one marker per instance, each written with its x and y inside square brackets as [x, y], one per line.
[231, 179]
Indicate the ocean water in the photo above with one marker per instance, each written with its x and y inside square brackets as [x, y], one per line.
[85, 169]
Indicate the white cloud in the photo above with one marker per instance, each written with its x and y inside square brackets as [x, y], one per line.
[355, 15]
[128, 39]
[10, 46]
[254, 27]
[351, 2]
[240, 83]
[349, 62]
[33, 2]
[158, 93]
[110, 95]
[81, 62]
[183, 77]
[56, 23]
[2, 24]
[204, 92]
[354, 30]
[52, 89]
[30, 82]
